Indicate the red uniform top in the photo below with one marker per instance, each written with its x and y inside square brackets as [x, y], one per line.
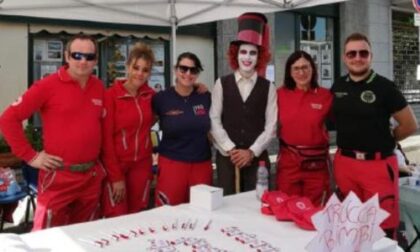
[302, 115]
[127, 127]
[71, 118]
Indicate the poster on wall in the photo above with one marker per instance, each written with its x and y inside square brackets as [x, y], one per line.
[120, 70]
[326, 72]
[322, 54]
[120, 53]
[270, 73]
[48, 50]
[326, 53]
[54, 50]
[47, 70]
[157, 82]
[315, 55]
[39, 49]
[159, 51]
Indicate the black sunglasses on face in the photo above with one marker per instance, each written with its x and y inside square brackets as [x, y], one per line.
[353, 53]
[79, 56]
[185, 69]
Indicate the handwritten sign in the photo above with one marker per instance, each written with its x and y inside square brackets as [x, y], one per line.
[348, 226]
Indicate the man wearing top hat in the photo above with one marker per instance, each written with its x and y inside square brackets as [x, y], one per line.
[243, 111]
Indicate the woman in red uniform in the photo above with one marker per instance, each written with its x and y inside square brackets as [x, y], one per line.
[303, 107]
[127, 151]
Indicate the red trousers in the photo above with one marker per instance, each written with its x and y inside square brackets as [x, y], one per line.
[176, 177]
[67, 197]
[292, 180]
[368, 177]
[138, 177]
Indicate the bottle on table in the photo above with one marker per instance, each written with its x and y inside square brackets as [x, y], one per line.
[262, 179]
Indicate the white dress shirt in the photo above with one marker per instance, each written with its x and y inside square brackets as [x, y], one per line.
[222, 141]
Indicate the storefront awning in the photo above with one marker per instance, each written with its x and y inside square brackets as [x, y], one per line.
[54, 29]
[170, 13]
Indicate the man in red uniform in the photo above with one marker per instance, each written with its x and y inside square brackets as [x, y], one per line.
[70, 102]
[363, 103]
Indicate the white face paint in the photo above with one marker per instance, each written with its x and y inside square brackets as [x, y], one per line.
[247, 58]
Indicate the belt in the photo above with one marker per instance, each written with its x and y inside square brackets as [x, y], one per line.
[82, 167]
[303, 147]
[359, 155]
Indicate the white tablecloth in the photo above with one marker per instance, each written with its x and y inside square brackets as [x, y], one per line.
[242, 211]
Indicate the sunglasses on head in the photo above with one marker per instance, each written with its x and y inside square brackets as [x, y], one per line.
[185, 69]
[79, 56]
[353, 53]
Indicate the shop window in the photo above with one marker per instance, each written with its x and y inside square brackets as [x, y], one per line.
[47, 55]
[316, 38]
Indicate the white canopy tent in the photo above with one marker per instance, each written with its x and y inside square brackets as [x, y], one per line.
[171, 13]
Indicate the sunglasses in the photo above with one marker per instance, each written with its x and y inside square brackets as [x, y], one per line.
[185, 69]
[353, 53]
[79, 56]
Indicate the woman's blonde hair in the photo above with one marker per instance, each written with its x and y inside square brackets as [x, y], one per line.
[140, 51]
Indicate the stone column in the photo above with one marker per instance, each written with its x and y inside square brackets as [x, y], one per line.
[373, 18]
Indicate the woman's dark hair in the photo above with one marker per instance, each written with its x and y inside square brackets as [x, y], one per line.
[288, 80]
[190, 56]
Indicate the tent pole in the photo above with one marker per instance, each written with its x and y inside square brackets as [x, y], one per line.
[173, 51]
[173, 40]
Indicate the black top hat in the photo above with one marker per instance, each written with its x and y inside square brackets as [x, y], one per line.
[252, 29]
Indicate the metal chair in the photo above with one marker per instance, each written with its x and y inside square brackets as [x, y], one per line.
[14, 198]
[155, 139]
[30, 175]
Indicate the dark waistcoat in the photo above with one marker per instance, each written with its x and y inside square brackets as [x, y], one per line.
[244, 121]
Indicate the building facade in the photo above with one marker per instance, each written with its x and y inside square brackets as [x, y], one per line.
[321, 31]
[31, 48]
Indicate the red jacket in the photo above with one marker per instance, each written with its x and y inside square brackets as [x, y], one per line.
[127, 126]
[71, 118]
[302, 115]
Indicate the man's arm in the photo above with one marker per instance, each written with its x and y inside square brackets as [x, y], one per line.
[407, 123]
[109, 155]
[220, 136]
[11, 127]
[12, 118]
[264, 139]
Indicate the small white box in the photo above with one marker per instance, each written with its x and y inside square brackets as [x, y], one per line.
[207, 197]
